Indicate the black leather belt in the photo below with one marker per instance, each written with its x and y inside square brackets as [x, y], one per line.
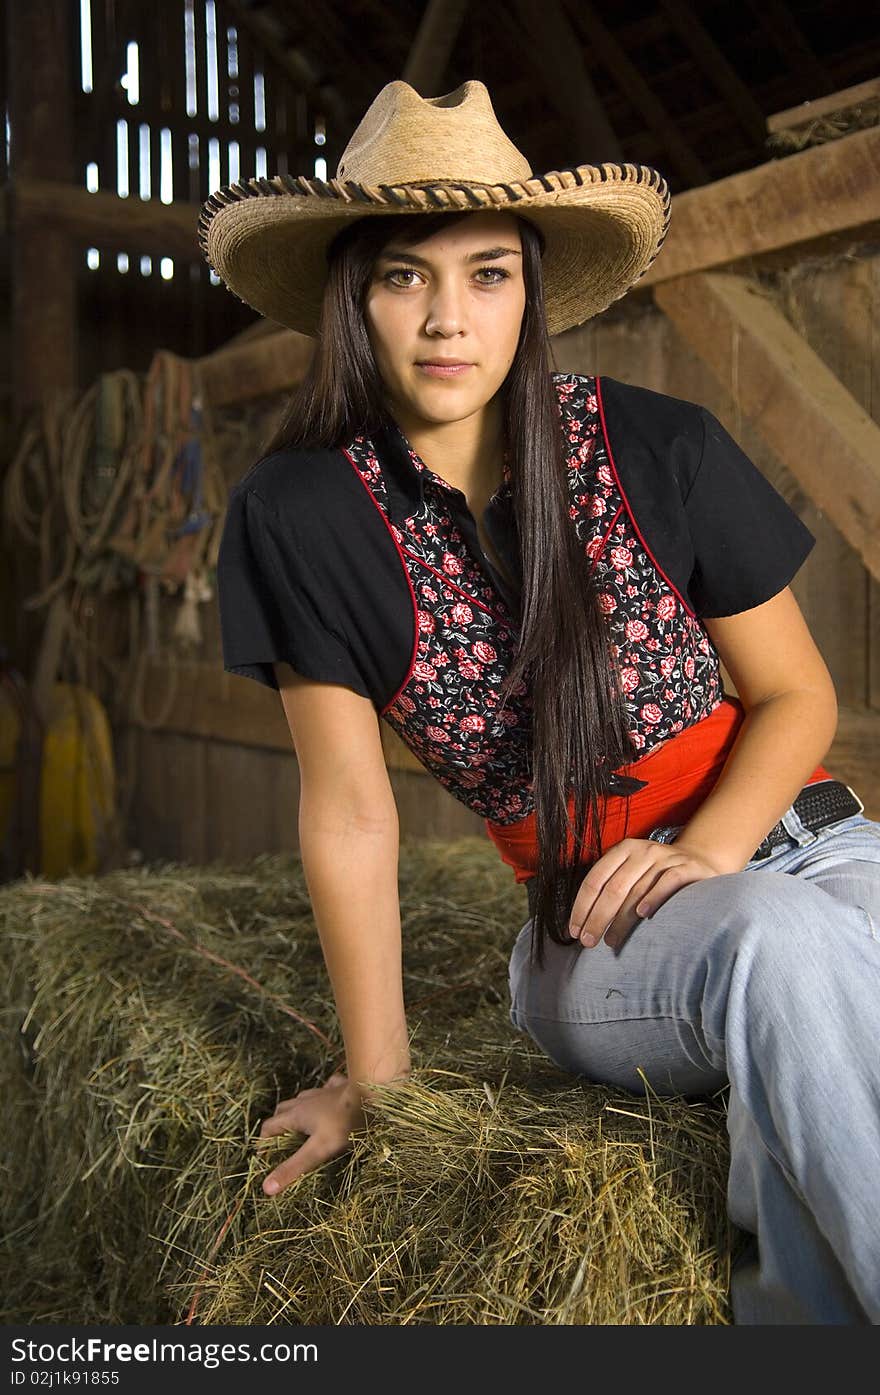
[817, 806]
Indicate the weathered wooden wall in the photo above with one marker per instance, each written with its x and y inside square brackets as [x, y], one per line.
[221, 781]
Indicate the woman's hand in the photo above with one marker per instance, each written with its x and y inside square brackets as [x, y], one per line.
[328, 1115]
[628, 883]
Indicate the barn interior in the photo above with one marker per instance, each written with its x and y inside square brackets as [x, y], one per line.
[137, 391]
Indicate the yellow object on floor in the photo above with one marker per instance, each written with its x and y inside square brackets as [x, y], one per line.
[77, 781]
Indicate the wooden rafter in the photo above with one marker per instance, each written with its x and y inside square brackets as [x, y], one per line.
[823, 436]
[304, 74]
[780, 25]
[432, 46]
[269, 363]
[627, 76]
[827, 189]
[549, 42]
[105, 220]
[717, 69]
[864, 93]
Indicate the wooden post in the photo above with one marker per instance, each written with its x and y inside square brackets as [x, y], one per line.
[40, 43]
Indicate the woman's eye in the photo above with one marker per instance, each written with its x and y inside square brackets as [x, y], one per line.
[396, 272]
[497, 273]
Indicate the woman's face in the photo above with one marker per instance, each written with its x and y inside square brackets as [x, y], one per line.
[456, 298]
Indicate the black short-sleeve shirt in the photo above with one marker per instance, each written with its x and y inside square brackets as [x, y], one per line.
[363, 567]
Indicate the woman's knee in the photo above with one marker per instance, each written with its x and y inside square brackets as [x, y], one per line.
[783, 941]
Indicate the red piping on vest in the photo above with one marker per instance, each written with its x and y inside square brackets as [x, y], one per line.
[471, 600]
[415, 648]
[610, 454]
[605, 539]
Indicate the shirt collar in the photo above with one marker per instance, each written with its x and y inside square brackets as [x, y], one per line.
[405, 474]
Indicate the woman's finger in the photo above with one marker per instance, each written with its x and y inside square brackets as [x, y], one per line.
[614, 899]
[312, 1154]
[593, 886]
[648, 900]
[282, 1121]
[672, 880]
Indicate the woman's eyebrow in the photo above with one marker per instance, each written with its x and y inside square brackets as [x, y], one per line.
[491, 254]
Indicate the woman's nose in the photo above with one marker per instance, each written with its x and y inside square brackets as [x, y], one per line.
[445, 313]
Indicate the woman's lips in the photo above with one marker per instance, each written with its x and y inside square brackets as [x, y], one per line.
[444, 370]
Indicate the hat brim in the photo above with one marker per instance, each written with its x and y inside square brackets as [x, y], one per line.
[603, 227]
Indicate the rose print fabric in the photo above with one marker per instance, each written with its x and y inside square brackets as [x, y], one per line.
[445, 710]
[363, 567]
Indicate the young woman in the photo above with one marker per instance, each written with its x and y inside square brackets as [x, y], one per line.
[534, 578]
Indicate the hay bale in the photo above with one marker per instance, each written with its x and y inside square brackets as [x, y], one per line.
[157, 1015]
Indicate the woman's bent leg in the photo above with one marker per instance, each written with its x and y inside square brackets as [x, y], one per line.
[765, 979]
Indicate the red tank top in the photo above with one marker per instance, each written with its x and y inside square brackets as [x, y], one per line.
[681, 773]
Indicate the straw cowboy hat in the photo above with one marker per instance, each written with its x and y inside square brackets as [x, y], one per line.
[603, 225]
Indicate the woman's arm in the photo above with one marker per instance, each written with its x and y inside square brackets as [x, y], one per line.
[349, 844]
[791, 717]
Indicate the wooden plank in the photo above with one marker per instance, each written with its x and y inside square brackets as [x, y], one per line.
[104, 220]
[817, 429]
[225, 707]
[783, 204]
[397, 754]
[431, 49]
[430, 811]
[854, 757]
[222, 706]
[715, 66]
[201, 122]
[249, 139]
[861, 94]
[241, 822]
[268, 365]
[281, 792]
[547, 40]
[833, 308]
[796, 53]
[604, 46]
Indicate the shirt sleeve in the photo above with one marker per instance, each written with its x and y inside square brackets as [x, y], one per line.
[272, 608]
[748, 543]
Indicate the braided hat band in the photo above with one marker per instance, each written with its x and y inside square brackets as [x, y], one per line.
[603, 225]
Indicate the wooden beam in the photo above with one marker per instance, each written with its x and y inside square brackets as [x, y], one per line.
[39, 46]
[780, 25]
[863, 94]
[302, 74]
[827, 189]
[270, 363]
[813, 424]
[548, 40]
[606, 48]
[431, 50]
[783, 204]
[717, 69]
[105, 220]
[223, 706]
[854, 757]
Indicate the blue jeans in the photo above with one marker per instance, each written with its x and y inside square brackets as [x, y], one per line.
[767, 979]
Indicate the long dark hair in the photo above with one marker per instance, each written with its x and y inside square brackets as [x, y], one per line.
[580, 728]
